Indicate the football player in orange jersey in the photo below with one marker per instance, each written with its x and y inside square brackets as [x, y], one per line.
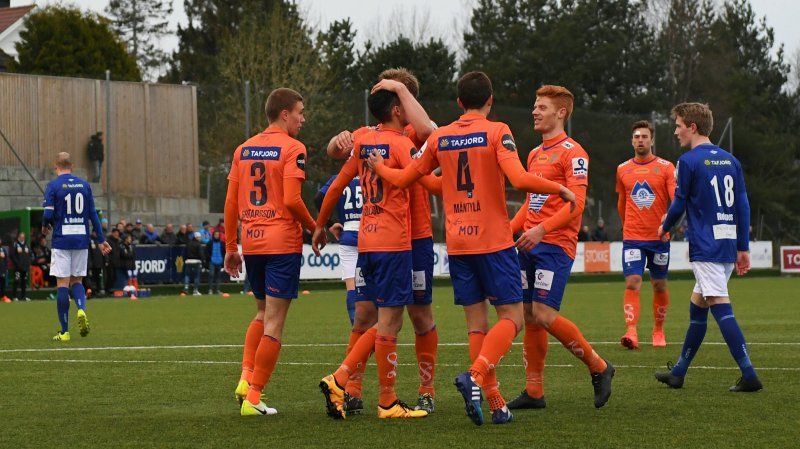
[475, 156]
[264, 187]
[384, 267]
[547, 250]
[406, 86]
[646, 186]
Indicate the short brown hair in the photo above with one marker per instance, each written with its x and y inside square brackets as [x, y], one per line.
[281, 99]
[474, 90]
[63, 161]
[697, 113]
[560, 95]
[403, 75]
[642, 124]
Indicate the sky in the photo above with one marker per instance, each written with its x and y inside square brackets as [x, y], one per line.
[369, 17]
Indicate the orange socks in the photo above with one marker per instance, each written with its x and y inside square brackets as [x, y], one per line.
[266, 357]
[495, 346]
[490, 385]
[568, 334]
[357, 356]
[631, 308]
[660, 306]
[425, 345]
[354, 381]
[534, 351]
[386, 358]
[251, 339]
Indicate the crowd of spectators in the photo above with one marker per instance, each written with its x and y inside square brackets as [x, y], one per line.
[21, 260]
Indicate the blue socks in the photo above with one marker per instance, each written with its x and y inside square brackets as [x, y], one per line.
[62, 306]
[698, 323]
[79, 295]
[734, 338]
[351, 305]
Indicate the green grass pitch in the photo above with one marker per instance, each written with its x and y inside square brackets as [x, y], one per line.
[160, 372]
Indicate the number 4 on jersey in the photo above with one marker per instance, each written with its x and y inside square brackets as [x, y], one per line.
[464, 179]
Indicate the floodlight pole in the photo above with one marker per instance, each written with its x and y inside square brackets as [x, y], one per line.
[366, 107]
[108, 147]
[246, 109]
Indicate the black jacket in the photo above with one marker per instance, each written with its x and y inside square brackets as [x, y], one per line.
[195, 250]
[94, 149]
[21, 256]
[114, 260]
[96, 259]
[3, 260]
[168, 238]
[127, 256]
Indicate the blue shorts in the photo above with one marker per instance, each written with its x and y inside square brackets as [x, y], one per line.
[545, 270]
[422, 267]
[636, 254]
[493, 276]
[384, 278]
[276, 275]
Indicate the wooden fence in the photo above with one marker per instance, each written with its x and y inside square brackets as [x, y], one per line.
[153, 147]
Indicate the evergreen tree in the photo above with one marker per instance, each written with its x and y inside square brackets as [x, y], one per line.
[140, 24]
[64, 41]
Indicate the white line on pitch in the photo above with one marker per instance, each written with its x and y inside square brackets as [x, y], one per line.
[222, 362]
[322, 345]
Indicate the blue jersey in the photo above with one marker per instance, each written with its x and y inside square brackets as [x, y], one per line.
[710, 188]
[69, 207]
[348, 209]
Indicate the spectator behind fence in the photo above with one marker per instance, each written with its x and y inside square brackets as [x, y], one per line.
[3, 273]
[149, 236]
[113, 260]
[96, 155]
[194, 262]
[137, 232]
[205, 233]
[21, 264]
[95, 265]
[128, 259]
[168, 237]
[600, 234]
[182, 237]
[41, 261]
[215, 256]
[583, 234]
[221, 229]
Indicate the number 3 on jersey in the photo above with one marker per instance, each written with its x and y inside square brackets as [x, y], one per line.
[258, 196]
[464, 178]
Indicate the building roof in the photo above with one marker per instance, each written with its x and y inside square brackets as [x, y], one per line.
[9, 16]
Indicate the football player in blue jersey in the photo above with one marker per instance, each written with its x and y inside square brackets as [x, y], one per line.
[68, 209]
[348, 210]
[711, 190]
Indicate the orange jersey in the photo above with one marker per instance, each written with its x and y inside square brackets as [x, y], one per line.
[564, 161]
[385, 221]
[419, 202]
[469, 151]
[648, 187]
[259, 166]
